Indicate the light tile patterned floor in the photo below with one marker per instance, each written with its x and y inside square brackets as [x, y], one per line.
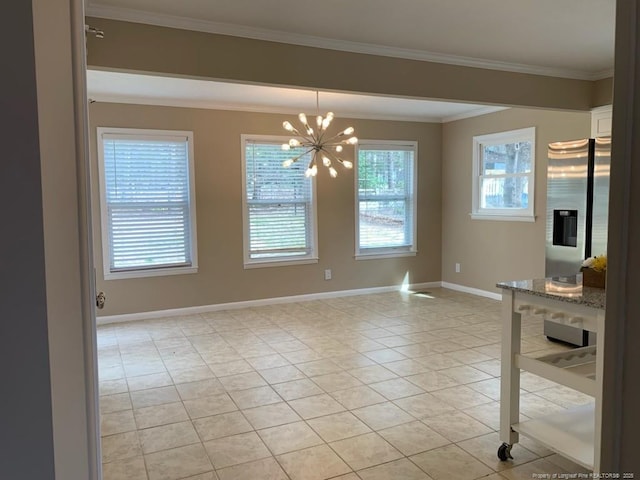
[383, 386]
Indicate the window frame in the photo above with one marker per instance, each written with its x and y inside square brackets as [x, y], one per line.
[396, 250]
[250, 263]
[504, 214]
[141, 134]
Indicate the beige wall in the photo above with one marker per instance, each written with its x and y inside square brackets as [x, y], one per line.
[493, 251]
[221, 277]
[602, 92]
[170, 51]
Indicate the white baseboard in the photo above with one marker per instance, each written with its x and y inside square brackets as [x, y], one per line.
[472, 291]
[130, 317]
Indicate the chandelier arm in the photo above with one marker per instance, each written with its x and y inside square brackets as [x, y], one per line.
[333, 138]
[294, 160]
[340, 134]
[335, 157]
[312, 165]
[348, 164]
[294, 130]
[307, 139]
[321, 135]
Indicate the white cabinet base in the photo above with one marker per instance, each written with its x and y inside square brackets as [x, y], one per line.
[601, 118]
[570, 433]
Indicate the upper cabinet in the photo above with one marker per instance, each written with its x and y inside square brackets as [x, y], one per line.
[601, 121]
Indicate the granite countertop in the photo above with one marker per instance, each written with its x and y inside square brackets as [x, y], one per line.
[567, 289]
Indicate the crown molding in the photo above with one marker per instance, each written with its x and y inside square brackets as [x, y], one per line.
[602, 74]
[602, 108]
[473, 113]
[185, 23]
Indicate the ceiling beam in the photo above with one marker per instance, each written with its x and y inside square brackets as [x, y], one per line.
[136, 47]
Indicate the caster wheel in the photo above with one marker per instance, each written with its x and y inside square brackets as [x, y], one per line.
[504, 452]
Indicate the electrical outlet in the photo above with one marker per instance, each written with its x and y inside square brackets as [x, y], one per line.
[327, 274]
[457, 268]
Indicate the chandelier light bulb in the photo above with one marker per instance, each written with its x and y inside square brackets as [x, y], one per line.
[287, 163]
[348, 131]
[347, 164]
[319, 121]
[325, 161]
[339, 148]
[330, 116]
[312, 171]
[303, 119]
[293, 143]
[287, 126]
[310, 131]
[325, 123]
[285, 146]
[333, 172]
[352, 141]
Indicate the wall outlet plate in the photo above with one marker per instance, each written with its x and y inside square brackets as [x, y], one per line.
[457, 268]
[327, 274]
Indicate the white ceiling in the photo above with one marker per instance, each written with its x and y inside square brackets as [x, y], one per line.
[567, 38]
[181, 92]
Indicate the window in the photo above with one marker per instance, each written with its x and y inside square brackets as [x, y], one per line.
[386, 199]
[503, 175]
[147, 199]
[278, 205]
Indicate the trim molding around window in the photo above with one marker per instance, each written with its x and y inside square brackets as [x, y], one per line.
[386, 178]
[147, 202]
[279, 210]
[504, 176]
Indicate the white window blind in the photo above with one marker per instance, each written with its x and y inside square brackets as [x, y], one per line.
[147, 201]
[386, 201]
[279, 204]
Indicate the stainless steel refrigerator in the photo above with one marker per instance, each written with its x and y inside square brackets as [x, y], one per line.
[577, 215]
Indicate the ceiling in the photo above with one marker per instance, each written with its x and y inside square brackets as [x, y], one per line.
[181, 92]
[571, 39]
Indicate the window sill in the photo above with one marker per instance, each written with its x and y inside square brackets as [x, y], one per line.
[155, 272]
[280, 263]
[381, 255]
[503, 217]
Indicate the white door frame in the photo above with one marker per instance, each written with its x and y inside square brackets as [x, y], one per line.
[60, 66]
[79, 57]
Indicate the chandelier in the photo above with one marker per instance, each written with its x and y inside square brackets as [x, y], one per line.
[324, 148]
